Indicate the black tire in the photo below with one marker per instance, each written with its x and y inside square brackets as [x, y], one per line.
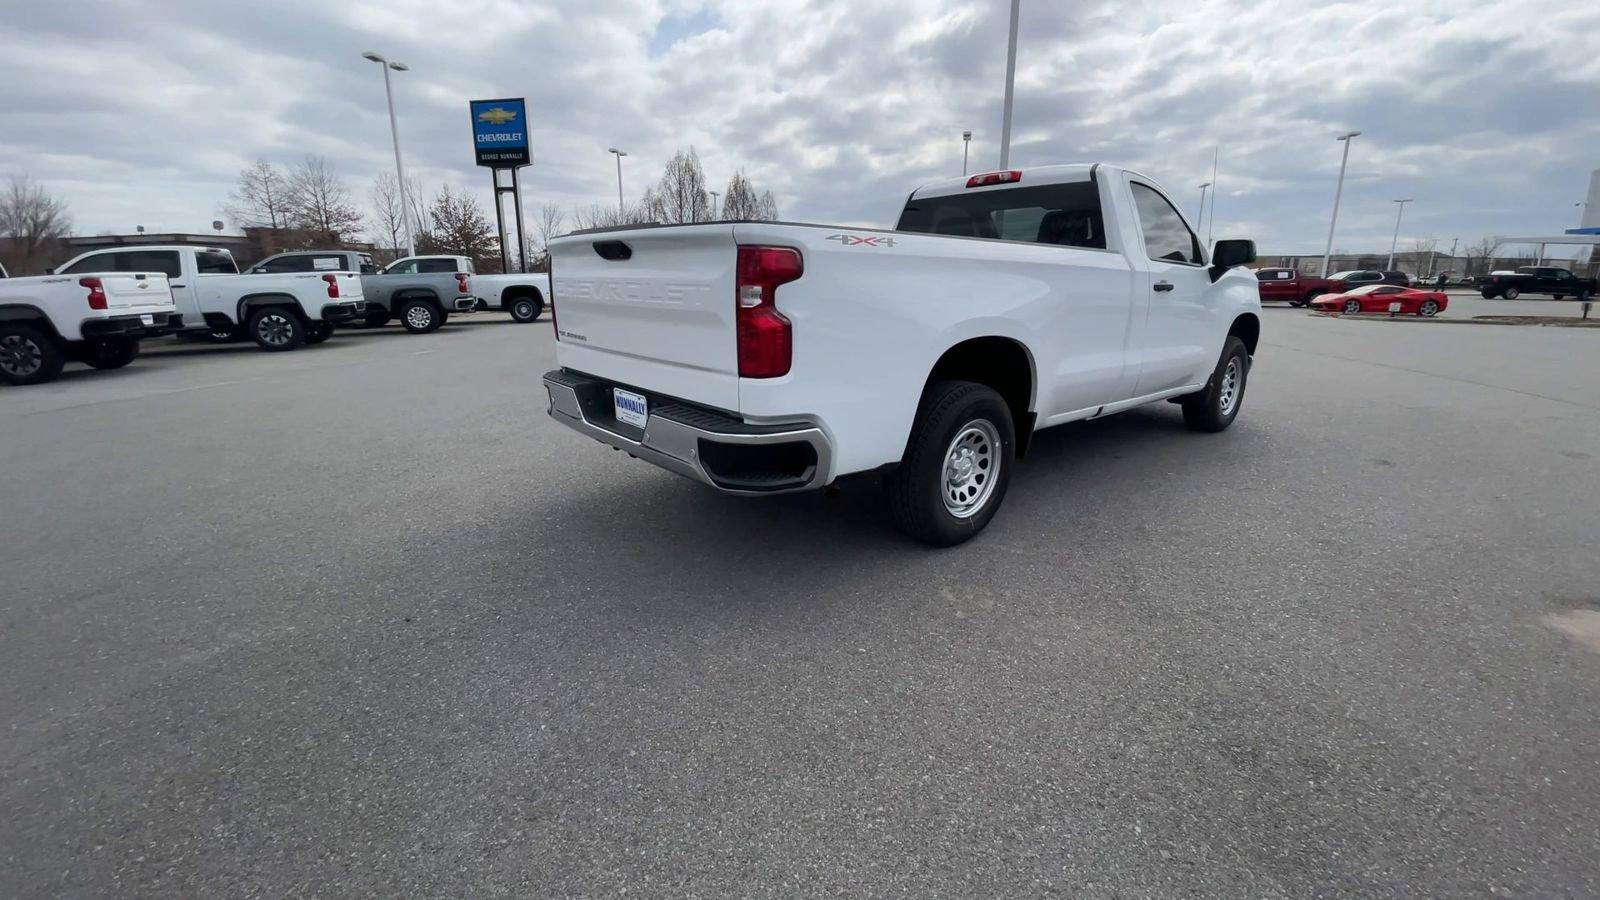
[377, 319]
[110, 353]
[276, 328]
[1511, 293]
[421, 316]
[525, 309]
[1486, 294]
[1581, 296]
[1351, 307]
[1428, 309]
[954, 418]
[28, 355]
[1215, 408]
[318, 332]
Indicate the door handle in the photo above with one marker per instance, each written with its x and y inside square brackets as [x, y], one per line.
[177, 284]
[1162, 286]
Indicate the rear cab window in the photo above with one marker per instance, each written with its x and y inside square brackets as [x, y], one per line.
[1066, 215]
[436, 265]
[215, 262]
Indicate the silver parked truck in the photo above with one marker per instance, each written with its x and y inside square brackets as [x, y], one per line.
[420, 291]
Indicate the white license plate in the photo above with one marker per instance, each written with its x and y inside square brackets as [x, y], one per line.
[148, 320]
[630, 407]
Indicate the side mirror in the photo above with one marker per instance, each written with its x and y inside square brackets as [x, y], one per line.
[1227, 254]
[50, 271]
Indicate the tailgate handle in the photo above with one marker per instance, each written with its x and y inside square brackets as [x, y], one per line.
[613, 250]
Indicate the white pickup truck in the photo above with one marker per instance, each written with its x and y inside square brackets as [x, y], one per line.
[279, 312]
[95, 318]
[762, 357]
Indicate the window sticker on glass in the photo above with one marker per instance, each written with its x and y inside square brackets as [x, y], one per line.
[325, 262]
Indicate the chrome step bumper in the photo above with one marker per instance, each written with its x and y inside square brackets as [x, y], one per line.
[694, 442]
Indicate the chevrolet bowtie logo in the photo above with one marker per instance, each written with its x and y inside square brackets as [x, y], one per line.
[496, 116]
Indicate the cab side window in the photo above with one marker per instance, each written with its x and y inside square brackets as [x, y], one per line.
[409, 267]
[99, 262]
[436, 265]
[163, 261]
[283, 264]
[1166, 237]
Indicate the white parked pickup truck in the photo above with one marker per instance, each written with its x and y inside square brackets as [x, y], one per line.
[279, 312]
[94, 318]
[762, 357]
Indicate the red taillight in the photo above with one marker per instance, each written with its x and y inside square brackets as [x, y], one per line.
[765, 347]
[1495, 279]
[1009, 176]
[97, 292]
[333, 286]
[461, 282]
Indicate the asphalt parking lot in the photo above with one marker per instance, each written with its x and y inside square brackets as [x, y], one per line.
[361, 620]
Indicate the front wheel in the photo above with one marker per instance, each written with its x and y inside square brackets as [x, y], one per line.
[957, 464]
[1352, 306]
[526, 309]
[276, 329]
[1215, 408]
[110, 353]
[1429, 308]
[27, 356]
[319, 332]
[420, 317]
[1511, 293]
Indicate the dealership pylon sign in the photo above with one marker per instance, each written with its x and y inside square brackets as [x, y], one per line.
[500, 133]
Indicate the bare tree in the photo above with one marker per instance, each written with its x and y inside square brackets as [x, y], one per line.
[459, 227]
[319, 203]
[767, 207]
[389, 216]
[1477, 255]
[549, 224]
[261, 198]
[680, 196]
[601, 215]
[740, 202]
[1421, 255]
[32, 220]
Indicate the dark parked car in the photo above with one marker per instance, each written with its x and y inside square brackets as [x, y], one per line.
[1358, 277]
[1558, 283]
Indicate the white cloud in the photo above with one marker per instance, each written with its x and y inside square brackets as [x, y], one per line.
[142, 114]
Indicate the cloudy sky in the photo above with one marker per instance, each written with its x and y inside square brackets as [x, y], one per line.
[1487, 113]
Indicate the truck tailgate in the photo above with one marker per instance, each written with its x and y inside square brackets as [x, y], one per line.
[128, 293]
[651, 308]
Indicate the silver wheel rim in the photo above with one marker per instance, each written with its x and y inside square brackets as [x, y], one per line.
[1228, 396]
[1429, 307]
[419, 317]
[275, 329]
[524, 309]
[1352, 306]
[971, 468]
[20, 356]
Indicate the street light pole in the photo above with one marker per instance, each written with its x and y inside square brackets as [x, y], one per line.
[394, 132]
[1011, 80]
[1396, 239]
[1202, 219]
[714, 196]
[1327, 252]
[619, 154]
[966, 145]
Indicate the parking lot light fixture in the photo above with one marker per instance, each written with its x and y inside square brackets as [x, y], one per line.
[394, 132]
[1396, 239]
[1344, 159]
[619, 154]
[966, 147]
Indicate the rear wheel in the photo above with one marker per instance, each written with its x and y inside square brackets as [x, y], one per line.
[957, 464]
[275, 328]
[526, 309]
[1352, 306]
[1429, 308]
[420, 316]
[1511, 293]
[1215, 408]
[110, 353]
[28, 356]
[1582, 296]
[319, 332]
[1486, 294]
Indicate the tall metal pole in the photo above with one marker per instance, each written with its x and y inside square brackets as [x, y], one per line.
[1337, 191]
[1213, 220]
[394, 132]
[1395, 241]
[522, 241]
[619, 154]
[1202, 218]
[966, 145]
[714, 196]
[1011, 80]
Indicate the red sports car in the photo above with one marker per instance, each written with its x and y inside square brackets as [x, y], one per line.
[1375, 298]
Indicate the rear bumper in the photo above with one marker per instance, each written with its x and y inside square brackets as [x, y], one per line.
[709, 447]
[133, 326]
[343, 311]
